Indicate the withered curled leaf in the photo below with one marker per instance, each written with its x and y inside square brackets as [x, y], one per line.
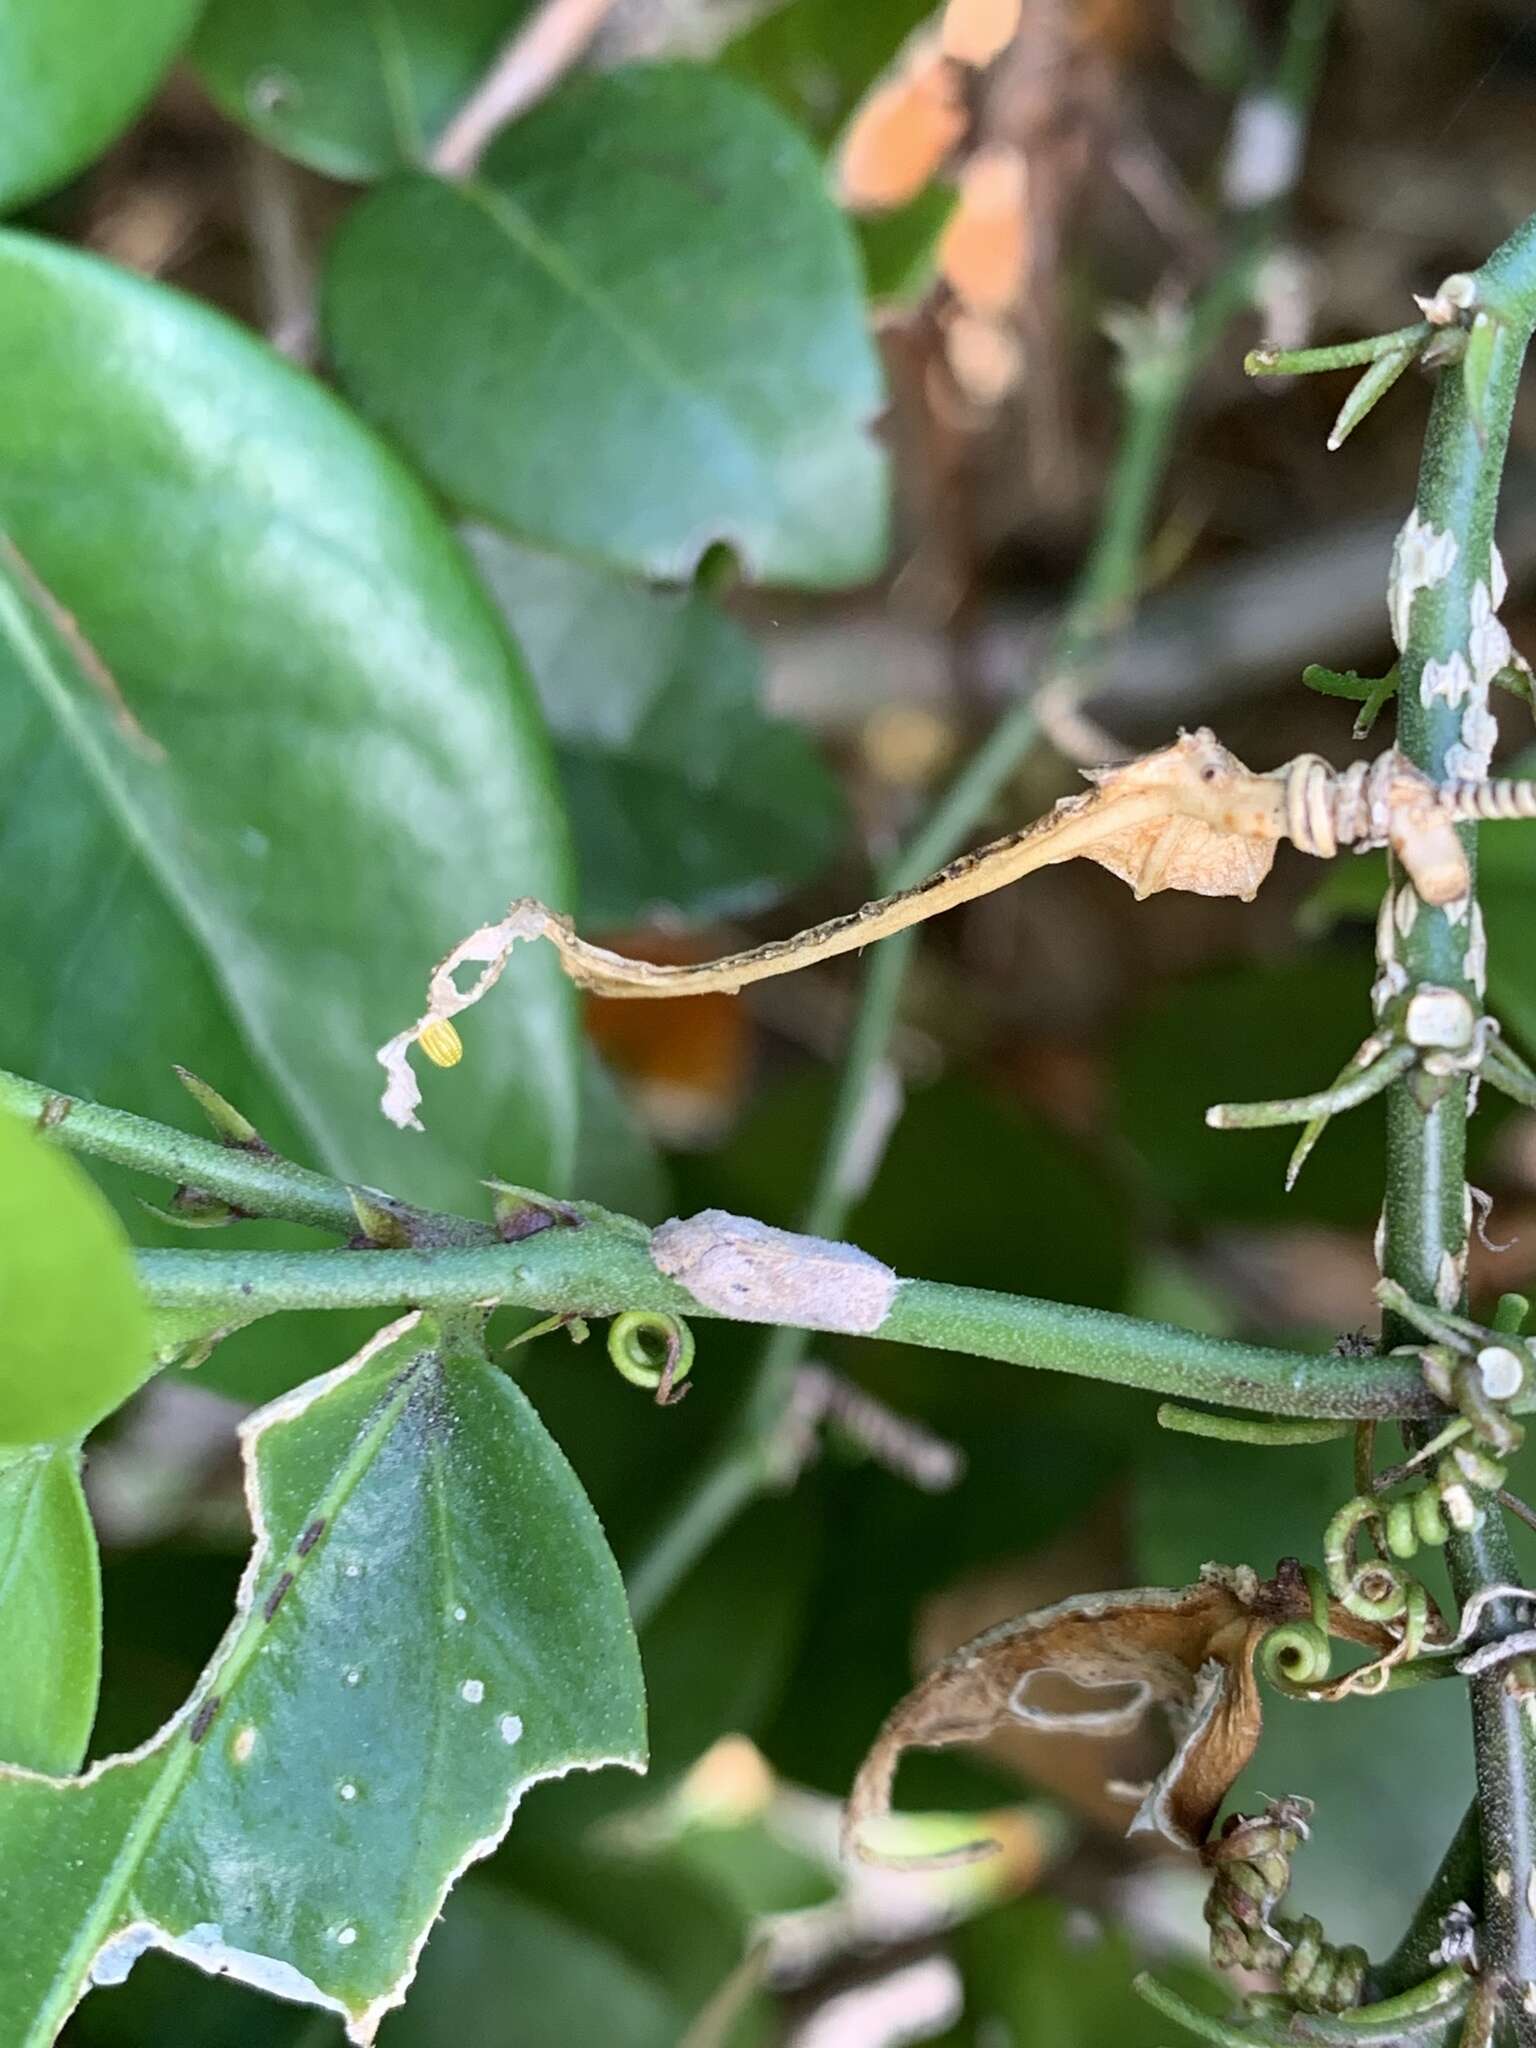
[1187, 1650]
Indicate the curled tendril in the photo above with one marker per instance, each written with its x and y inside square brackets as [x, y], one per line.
[1299, 1654]
[1250, 1865]
[1375, 1590]
[653, 1350]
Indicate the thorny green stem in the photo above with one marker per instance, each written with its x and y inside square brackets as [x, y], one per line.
[1425, 1215]
[1342, 355]
[1155, 384]
[604, 1267]
[602, 1264]
[1421, 2014]
[259, 1182]
[1347, 1093]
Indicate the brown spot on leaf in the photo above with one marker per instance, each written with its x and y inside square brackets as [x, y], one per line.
[275, 1598]
[202, 1720]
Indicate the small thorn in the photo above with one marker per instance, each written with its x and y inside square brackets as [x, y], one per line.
[522, 1212]
[194, 1209]
[230, 1126]
[384, 1229]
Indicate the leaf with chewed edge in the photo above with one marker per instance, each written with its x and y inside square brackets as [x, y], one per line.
[430, 1623]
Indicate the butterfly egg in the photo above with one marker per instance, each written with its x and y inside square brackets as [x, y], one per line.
[441, 1043]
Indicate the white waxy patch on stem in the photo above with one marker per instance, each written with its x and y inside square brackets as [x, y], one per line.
[1488, 643]
[1421, 558]
[1446, 682]
[1469, 760]
[1476, 958]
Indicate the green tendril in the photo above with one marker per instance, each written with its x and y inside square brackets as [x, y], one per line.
[1299, 1654]
[1246, 1429]
[1373, 1591]
[653, 1350]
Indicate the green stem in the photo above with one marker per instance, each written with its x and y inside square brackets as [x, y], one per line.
[605, 1268]
[1347, 1093]
[1341, 355]
[1425, 1213]
[257, 1182]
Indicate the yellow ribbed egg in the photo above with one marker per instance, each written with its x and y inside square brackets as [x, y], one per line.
[441, 1043]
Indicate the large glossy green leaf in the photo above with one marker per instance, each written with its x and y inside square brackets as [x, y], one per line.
[638, 331]
[50, 1611]
[682, 794]
[352, 87]
[72, 73]
[315, 762]
[74, 1331]
[430, 1623]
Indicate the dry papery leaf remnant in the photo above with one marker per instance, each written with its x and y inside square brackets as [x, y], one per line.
[1188, 1650]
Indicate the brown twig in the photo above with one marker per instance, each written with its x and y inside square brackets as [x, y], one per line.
[533, 60]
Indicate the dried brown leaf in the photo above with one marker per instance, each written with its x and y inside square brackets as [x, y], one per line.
[1188, 1651]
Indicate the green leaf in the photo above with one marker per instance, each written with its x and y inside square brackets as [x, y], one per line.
[75, 72]
[278, 759]
[637, 332]
[430, 1623]
[50, 1611]
[76, 1331]
[350, 89]
[682, 794]
[818, 57]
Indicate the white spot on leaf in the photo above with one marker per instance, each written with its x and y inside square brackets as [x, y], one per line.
[244, 1744]
[511, 1726]
[473, 1690]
